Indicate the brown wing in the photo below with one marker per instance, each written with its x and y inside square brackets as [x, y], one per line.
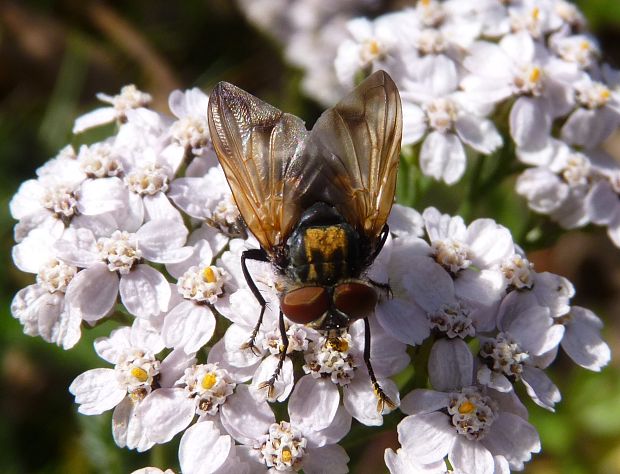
[355, 149]
[258, 147]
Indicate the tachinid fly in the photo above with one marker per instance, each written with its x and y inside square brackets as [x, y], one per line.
[317, 201]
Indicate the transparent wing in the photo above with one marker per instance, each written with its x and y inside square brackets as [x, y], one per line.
[352, 155]
[258, 147]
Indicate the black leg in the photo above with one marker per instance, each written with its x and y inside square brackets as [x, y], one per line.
[269, 384]
[382, 398]
[261, 256]
[383, 237]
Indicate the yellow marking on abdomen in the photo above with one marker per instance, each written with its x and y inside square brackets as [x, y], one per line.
[326, 242]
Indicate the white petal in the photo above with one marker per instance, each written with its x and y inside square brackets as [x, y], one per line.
[588, 128]
[582, 340]
[431, 286]
[314, 401]
[203, 450]
[112, 348]
[360, 400]
[443, 157]
[414, 123]
[490, 242]
[173, 367]
[96, 391]
[161, 237]
[165, 412]
[92, 292]
[188, 326]
[424, 401]
[427, 437]
[330, 459]
[540, 387]
[94, 118]
[479, 133]
[450, 365]
[77, 247]
[530, 123]
[470, 457]
[403, 320]
[101, 195]
[158, 207]
[283, 384]
[144, 291]
[514, 438]
[245, 417]
[341, 425]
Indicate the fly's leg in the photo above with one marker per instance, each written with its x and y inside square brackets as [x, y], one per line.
[261, 256]
[383, 237]
[383, 400]
[269, 384]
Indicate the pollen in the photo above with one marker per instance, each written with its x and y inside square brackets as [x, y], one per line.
[209, 275]
[535, 75]
[466, 408]
[536, 13]
[139, 374]
[373, 48]
[338, 344]
[584, 45]
[425, 3]
[208, 381]
[605, 95]
[287, 456]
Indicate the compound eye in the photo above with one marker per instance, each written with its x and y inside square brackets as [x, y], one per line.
[356, 300]
[305, 304]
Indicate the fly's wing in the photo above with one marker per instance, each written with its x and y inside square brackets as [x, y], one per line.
[354, 148]
[258, 147]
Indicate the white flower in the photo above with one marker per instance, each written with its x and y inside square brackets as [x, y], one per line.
[371, 44]
[41, 307]
[519, 66]
[203, 450]
[201, 286]
[469, 425]
[114, 264]
[431, 101]
[129, 98]
[133, 351]
[285, 446]
[191, 130]
[334, 362]
[62, 196]
[582, 339]
[596, 116]
[207, 197]
[527, 332]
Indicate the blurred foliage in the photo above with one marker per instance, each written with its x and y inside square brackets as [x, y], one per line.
[56, 55]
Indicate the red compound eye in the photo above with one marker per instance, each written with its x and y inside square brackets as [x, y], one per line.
[304, 305]
[356, 300]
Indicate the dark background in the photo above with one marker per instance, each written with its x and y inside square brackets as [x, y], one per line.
[56, 55]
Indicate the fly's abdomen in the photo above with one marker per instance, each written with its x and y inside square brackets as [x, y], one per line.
[323, 254]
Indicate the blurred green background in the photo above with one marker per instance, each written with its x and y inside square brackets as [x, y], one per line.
[54, 57]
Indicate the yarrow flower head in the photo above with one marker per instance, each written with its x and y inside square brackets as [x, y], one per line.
[141, 230]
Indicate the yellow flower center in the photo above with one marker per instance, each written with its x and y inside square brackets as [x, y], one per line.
[466, 408]
[209, 275]
[208, 381]
[140, 374]
[286, 455]
[535, 74]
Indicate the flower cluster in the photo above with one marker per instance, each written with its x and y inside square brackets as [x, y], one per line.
[522, 77]
[108, 223]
